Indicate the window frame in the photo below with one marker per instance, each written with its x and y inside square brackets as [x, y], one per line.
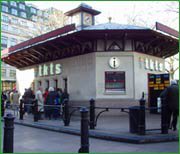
[22, 6]
[3, 8]
[12, 11]
[5, 18]
[13, 3]
[22, 14]
[122, 81]
[16, 21]
[3, 27]
[4, 41]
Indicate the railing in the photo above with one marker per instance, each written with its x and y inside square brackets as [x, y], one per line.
[137, 114]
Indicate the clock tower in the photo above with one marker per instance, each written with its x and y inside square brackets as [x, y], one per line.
[82, 16]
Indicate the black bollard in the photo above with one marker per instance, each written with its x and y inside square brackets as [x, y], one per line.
[36, 115]
[8, 142]
[164, 121]
[66, 116]
[84, 131]
[21, 109]
[92, 114]
[141, 122]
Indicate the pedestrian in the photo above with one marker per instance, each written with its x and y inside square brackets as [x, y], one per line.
[50, 100]
[171, 96]
[28, 100]
[15, 100]
[3, 102]
[45, 97]
[65, 95]
[39, 97]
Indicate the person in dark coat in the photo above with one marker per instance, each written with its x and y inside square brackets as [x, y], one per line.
[3, 100]
[65, 95]
[171, 95]
[50, 100]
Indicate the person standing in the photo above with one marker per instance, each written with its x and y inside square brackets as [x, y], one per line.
[50, 100]
[171, 95]
[39, 97]
[15, 100]
[45, 97]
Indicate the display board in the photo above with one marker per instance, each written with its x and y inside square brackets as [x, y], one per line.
[156, 84]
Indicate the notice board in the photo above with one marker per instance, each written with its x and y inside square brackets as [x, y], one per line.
[156, 84]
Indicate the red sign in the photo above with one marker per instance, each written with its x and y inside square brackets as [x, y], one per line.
[167, 29]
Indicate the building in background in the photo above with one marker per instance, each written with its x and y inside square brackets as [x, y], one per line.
[20, 22]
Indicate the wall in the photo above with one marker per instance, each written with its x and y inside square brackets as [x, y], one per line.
[126, 64]
[141, 74]
[80, 72]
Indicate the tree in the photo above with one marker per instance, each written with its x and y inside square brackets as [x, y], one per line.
[137, 18]
[172, 66]
[54, 20]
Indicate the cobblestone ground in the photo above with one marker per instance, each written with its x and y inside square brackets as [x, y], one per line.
[27, 139]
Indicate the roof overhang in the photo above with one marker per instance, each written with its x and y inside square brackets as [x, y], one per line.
[53, 45]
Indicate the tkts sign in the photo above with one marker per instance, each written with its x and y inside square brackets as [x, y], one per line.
[48, 69]
[150, 64]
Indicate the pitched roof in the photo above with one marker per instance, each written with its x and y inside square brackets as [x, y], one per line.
[115, 26]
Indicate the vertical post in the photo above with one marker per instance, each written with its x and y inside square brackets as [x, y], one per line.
[164, 121]
[8, 142]
[36, 116]
[84, 131]
[141, 122]
[21, 109]
[66, 113]
[92, 114]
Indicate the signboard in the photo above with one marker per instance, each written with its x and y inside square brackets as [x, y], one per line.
[167, 29]
[114, 62]
[156, 84]
[48, 69]
[151, 64]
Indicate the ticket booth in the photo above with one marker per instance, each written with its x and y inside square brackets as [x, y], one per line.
[156, 84]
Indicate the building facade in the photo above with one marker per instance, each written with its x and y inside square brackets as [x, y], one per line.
[19, 22]
[106, 62]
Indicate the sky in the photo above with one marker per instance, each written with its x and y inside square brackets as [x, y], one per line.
[145, 13]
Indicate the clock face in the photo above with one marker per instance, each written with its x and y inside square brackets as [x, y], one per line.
[87, 19]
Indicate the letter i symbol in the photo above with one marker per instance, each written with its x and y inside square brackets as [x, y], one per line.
[114, 62]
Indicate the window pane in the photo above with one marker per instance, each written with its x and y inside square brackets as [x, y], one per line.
[115, 81]
[5, 18]
[3, 72]
[13, 3]
[12, 73]
[4, 8]
[33, 10]
[15, 30]
[14, 11]
[22, 6]
[23, 14]
[13, 41]
[4, 27]
[14, 21]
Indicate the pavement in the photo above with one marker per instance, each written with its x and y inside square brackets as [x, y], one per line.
[113, 128]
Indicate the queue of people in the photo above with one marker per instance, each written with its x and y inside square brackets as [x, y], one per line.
[10, 99]
[48, 100]
[50, 97]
